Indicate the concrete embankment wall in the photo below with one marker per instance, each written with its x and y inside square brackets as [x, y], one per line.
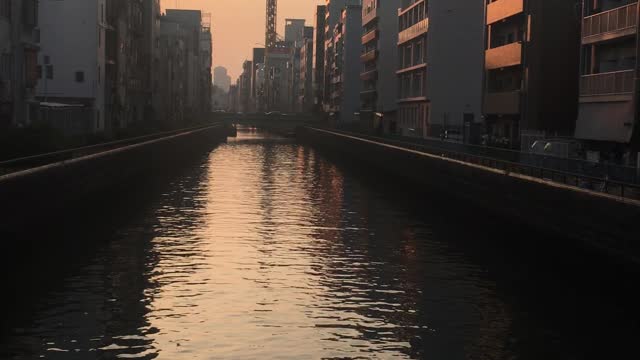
[53, 194]
[601, 222]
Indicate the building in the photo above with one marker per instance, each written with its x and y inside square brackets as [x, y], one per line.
[531, 66]
[19, 69]
[232, 103]
[379, 62]
[151, 25]
[333, 11]
[257, 60]
[73, 58]
[608, 102]
[172, 73]
[244, 83]
[206, 61]
[299, 83]
[221, 78]
[198, 81]
[278, 68]
[305, 89]
[345, 68]
[440, 82]
[318, 56]
[293, 31]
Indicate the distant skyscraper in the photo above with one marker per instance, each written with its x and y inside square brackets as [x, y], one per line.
[294, 31]
[221, 79]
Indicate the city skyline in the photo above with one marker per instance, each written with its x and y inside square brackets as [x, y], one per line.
[231, 51]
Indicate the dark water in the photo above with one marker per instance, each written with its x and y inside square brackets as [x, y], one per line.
[267, 250]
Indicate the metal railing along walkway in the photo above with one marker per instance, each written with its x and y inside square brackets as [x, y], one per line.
[619, 189]
[29, 162]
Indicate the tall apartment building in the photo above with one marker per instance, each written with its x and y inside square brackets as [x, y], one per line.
[293, 31]
[440, 81]
[73, 59]
[257, 60]
[19, 37]
[379, 62]
[305, 89]
[197, 80]
[531, 63]
[318, 56]
[332, 17]
[608, 108]
[151, 25]
[244, 87]
[345, 68]
[172, 73]
[206, 61]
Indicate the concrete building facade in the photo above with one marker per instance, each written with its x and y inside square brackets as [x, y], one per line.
[75, 27]
[529, 93]
[608, 102]
[305, 88]
[345, 68]
[333, 12]
[440, 81]
[19, 73]
[318, 56]
[379, 61]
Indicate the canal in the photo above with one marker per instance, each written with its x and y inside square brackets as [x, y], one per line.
[266, 249]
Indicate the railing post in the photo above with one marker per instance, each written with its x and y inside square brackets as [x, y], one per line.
[638, 167]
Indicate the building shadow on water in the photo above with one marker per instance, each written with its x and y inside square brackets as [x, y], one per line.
[482, 286]
[82, 281]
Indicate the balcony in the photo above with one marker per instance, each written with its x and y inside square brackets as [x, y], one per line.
[502, 103]
[419, 28]
[369, 56]
[503, 56]
[369, 75]
[610, 24]
[607, 84]
[370, 36]
[369, 16]
[502, 9]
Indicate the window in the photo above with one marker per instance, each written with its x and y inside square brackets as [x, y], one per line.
[417, 53]
[80, 76]
[49, 72]
[39, 71]
[6, 66]
[47, 60]
[5, 9]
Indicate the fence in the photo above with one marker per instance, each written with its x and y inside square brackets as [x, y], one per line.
[605, 184]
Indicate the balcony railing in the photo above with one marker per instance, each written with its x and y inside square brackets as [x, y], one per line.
[369, 75]
[370, 36]
[610, 24]
[369, 56]
[611, 83]
[369, 16]
[502, 103]
[502, 9]
[504, 56]
[419, 28]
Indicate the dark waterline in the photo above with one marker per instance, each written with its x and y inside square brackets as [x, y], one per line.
[269, 250]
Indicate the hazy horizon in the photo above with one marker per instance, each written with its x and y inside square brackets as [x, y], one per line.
[233, 44]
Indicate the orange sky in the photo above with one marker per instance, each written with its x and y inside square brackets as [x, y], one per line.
[239, 24]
